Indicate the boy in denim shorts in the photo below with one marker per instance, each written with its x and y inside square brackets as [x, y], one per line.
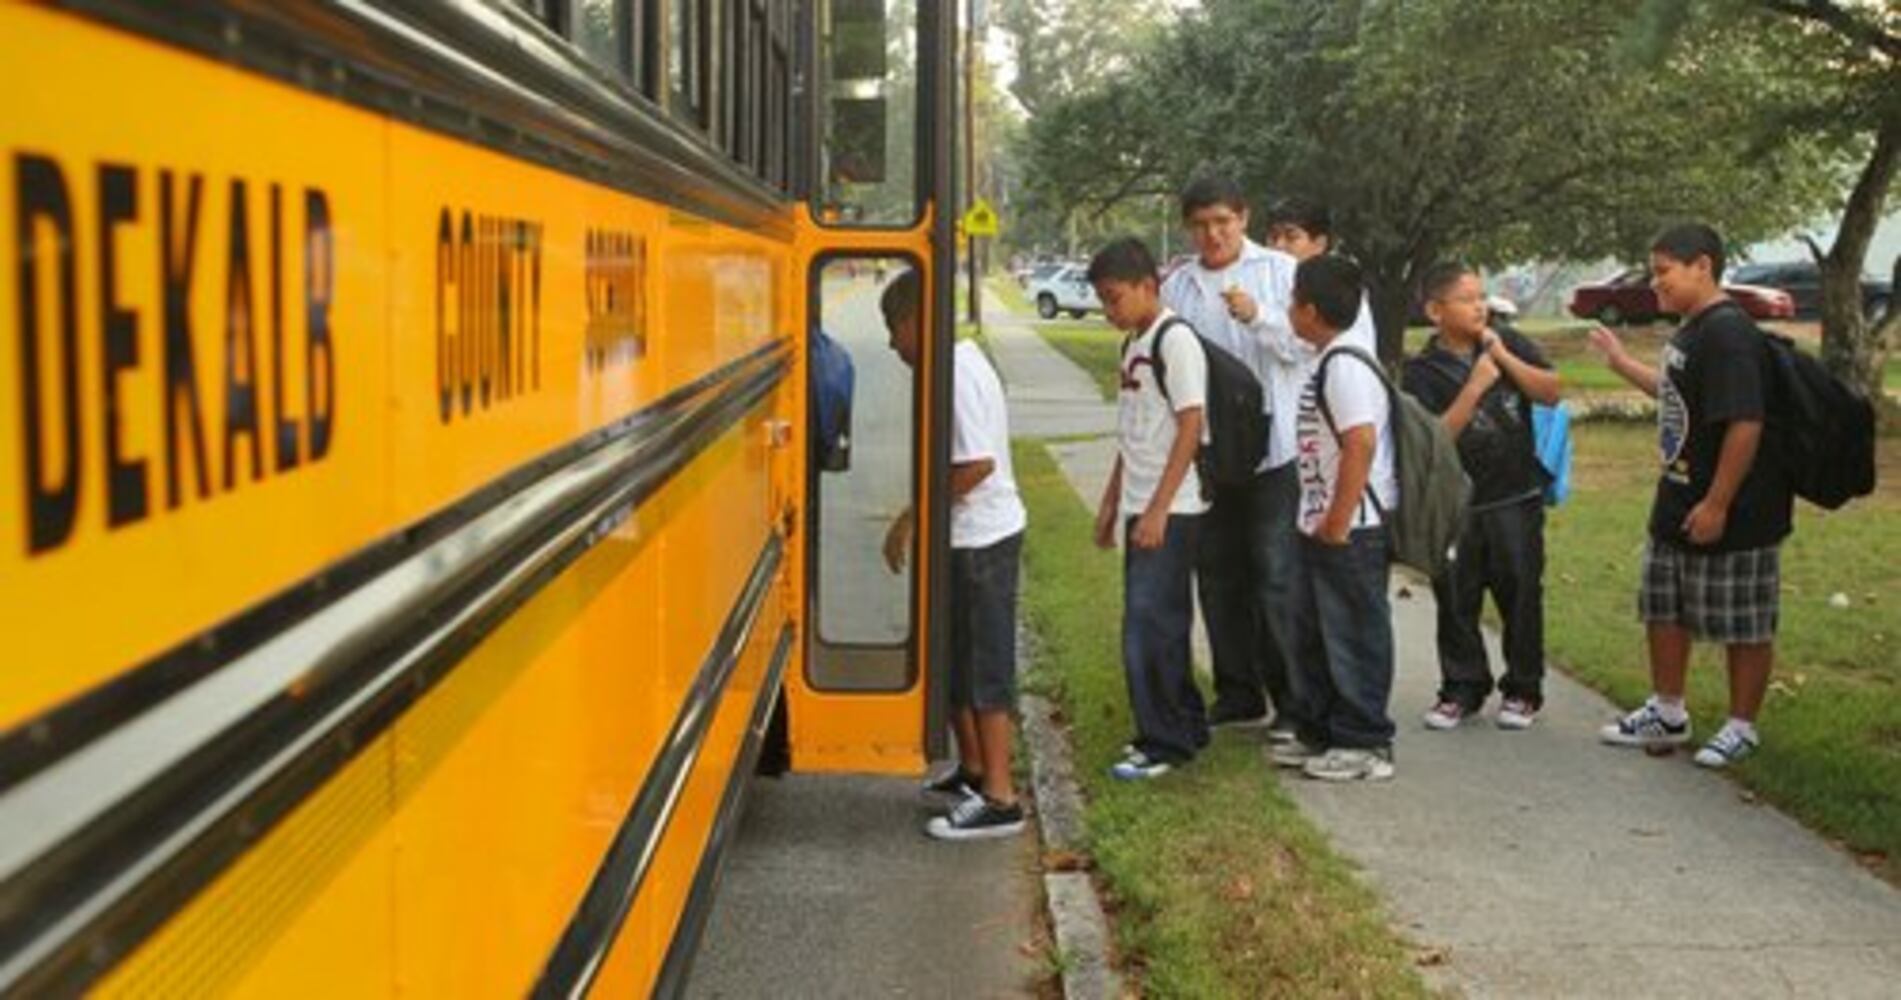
[1710, 570]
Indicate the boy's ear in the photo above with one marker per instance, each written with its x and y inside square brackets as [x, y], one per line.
[1434, 310]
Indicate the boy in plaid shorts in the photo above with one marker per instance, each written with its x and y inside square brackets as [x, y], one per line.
[1710, 570]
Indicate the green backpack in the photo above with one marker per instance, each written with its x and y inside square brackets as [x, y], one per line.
[1433, 488]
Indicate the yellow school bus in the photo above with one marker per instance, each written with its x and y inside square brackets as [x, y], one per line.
[411, 522]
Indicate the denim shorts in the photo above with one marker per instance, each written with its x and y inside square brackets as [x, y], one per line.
[1732, 598]
[983, 610]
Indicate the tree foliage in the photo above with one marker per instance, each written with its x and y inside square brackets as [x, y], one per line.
[1490, 129]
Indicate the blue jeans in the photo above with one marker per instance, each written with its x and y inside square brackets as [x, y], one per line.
[1170, 722]
[1244, 571]
[1342, 625]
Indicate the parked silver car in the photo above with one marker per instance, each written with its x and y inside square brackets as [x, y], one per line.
[1066, 290]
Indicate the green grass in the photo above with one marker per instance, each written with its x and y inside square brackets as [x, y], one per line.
[1219, 887]
[1832, 727]
[1007, 292]
[1093, 345]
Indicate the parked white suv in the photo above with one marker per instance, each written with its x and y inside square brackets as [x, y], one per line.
[1066, 290]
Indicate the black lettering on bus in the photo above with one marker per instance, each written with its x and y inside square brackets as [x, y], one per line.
[485, 279]
[505, 317]
[240, 345]
[41, 200]
[127, 489]
[465, 375]
[445, 276]
[181, 371]
[534, 242]
[320, 371]
[289, 448]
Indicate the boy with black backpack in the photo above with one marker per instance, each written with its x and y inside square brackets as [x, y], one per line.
[1482, 382]
[1711, 569]
[1155, 492]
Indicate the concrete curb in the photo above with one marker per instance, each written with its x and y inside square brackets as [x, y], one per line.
[1075, 911]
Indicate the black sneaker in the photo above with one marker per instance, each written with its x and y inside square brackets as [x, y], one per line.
[977, 818]
[957, 786]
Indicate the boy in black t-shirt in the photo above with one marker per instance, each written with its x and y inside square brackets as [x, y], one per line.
[1482, 382]
[1711, 569]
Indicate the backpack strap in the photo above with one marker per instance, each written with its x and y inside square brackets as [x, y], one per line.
[1326, 413]
[1156, 360]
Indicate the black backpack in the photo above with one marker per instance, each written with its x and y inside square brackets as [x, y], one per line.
[1237, 427]
[1822, 430]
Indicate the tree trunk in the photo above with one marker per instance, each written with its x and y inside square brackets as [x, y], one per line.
[1853, 347]
[1391, 297]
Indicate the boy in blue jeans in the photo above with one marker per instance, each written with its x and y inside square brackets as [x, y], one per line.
[1342, 641]
[1157, 494]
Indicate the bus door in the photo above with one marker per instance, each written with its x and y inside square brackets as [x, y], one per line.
[872, 245]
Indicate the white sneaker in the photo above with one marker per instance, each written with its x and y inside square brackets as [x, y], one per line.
[1645, 727]
[1343, 764]
[1517, 713]
[1445, 715]
[1139, 766]
[1293, 753]
[1729, 745]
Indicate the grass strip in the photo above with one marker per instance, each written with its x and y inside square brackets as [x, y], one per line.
[1220, 888]
[1093, 345]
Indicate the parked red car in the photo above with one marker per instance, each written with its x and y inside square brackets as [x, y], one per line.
[1628, 298]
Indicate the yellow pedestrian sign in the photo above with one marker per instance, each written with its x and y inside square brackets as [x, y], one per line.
[981, 220]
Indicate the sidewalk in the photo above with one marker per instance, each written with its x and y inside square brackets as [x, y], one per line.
[1541, 863]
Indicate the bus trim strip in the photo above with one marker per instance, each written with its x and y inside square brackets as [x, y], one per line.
[98, 850]
[578, 956]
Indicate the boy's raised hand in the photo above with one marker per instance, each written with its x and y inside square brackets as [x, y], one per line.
[1241, 305]
[1605, 343]
[1484, 373]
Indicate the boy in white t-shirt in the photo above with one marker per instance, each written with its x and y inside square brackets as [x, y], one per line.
[987, 523]
[1342, 624]
[1156, 494]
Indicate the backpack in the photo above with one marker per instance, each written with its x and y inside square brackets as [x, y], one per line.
[1433, 488]
[1237, 425]
[1824, 430]
[1551, 437]
[832, 377]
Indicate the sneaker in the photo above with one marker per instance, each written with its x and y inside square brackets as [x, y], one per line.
[1645, 727]
[1293, 753]
[1139, 766]
[957, 786]
[1517, 713]
[977, 818]
[1343, 764]
[1226, 718]
[1281, 730]
[1446, 715]
[1728, 746]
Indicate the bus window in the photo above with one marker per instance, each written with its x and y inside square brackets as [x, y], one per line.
[868, 102]
[865, 556]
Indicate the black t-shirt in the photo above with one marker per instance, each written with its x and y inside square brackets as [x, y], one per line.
[1715, 370]
[1496, 447]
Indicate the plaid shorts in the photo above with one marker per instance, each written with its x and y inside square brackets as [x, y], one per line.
[1732, 598]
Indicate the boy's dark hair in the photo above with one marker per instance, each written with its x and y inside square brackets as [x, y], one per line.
[1689, 240]
[901, 297]
[1127, 260]
[1204, 192]
[1440, 278]
[1306, 213]
[1331, 284]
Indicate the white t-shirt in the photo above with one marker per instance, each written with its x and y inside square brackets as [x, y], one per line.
[980, 429]
[1146, 420]
[1355, 397]
[1268, 346]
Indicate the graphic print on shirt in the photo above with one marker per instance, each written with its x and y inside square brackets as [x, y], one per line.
[1673, 418]
[1314, 492]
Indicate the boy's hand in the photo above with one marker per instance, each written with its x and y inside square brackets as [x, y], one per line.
[1606, 343]
[1491, 342]
[897, 542]
[1150, 530]
[1106, 527]
[1484, 373]
[1241, 305]
[1706, 522]
[1335, 530]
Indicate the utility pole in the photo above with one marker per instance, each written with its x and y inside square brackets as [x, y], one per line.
[974, 300]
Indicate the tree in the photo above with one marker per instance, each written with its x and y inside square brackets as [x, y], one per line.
[1489, 129]
[1841, 63]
